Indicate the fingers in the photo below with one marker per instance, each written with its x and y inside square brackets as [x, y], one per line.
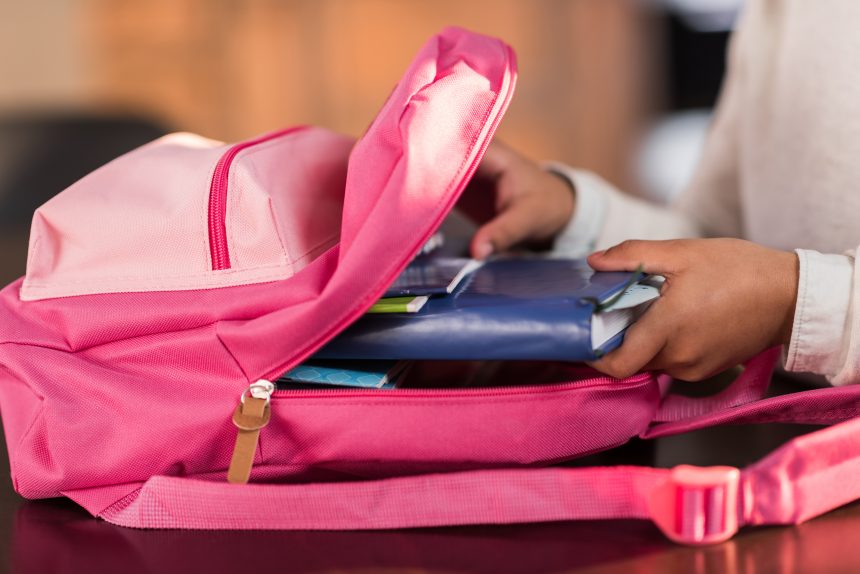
[486, 194]
[512, 226]
[503, 167]
[643, 341]
[530, 204]
[659, 257]
[495, 160]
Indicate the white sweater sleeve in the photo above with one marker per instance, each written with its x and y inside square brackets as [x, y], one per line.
[605, 216]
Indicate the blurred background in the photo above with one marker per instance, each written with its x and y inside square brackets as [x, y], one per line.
[622, 87]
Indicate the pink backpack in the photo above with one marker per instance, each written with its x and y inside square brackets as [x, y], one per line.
[164, 290]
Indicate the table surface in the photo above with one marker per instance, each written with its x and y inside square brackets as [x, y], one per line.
[56, 535]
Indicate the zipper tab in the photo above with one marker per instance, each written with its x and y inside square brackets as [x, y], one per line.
[252, 413]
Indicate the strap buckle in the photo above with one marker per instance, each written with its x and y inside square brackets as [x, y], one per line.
[697, 505]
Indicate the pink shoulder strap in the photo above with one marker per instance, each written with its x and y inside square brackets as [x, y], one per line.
[804, 478]
[744, 402]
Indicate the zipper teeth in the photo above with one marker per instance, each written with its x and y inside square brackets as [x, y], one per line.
[217, 224]
[468, 392]
[276, 373]
[218, 248]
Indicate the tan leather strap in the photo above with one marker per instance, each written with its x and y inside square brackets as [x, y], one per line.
[250, 416]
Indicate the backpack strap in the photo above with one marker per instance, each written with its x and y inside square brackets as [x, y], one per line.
[806, 477]
[825, 406]
[751, 385]
[743, 402]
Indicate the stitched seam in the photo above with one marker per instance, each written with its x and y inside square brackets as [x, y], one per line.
[273, 221]
[285, 254]
[286, 251]
[331, 240]
[240, 278]
[282, 241]
[214, 274]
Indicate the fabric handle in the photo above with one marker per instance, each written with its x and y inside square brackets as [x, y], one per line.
[751, 385]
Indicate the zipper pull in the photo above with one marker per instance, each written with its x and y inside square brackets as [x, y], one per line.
[252, 414]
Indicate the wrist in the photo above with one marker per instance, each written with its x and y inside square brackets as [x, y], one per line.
[586, 218]
[566, 205]
[788, 288]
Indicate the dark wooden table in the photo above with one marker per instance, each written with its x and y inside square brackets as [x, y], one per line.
[57, 536]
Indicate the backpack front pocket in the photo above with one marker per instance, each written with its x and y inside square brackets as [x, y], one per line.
[185, 213]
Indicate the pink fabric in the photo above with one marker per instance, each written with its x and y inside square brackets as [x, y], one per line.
[806, 477]
[749, 387]
[820, 406]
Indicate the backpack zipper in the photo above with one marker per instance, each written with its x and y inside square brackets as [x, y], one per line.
[254, 410]
[284, 390]
[219, 251]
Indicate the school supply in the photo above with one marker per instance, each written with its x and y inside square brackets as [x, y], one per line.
[514, 308]
[429, 275]
[168, 289]
[357, 374]
[399, 305]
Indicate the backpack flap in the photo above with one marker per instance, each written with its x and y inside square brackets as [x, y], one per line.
[405, 174]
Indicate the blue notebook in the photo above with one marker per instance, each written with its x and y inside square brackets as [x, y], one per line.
[508, 309]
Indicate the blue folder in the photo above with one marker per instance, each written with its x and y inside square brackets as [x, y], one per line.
[510, 309]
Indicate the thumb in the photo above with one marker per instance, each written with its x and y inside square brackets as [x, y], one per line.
[653, 256]
[510, 227]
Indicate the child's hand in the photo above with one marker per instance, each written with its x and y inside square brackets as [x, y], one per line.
[521, 202]
[724, 300]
